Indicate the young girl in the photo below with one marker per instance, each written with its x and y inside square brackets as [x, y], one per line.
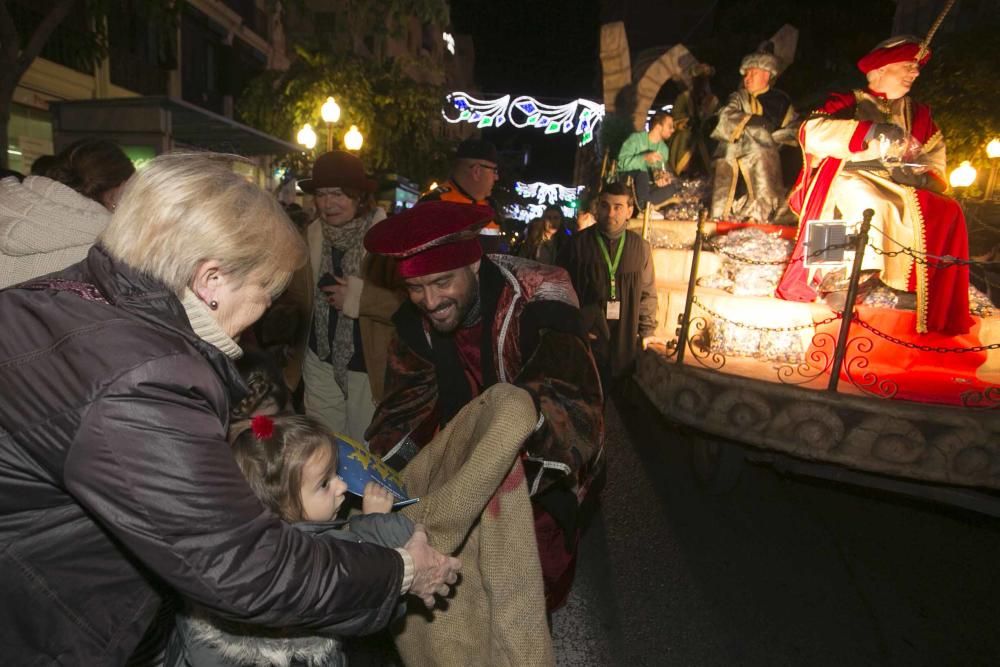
[291, 465]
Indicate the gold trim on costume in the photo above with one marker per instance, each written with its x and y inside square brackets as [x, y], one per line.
[751, 196]
[920, 270]
[935, 139]
[738, 130]
[734, 181]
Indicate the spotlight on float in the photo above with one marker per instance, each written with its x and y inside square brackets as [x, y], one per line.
[353, 139]
[963, 176]
[307, 137]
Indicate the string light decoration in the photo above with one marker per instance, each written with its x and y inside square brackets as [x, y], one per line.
[580, 116]
[541, 195]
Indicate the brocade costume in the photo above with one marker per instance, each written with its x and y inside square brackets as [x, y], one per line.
[842, 176]
[529, 334]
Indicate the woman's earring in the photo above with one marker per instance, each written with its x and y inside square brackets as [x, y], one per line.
[214, 305]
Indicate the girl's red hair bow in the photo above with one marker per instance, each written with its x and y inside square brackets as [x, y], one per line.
[262, 427]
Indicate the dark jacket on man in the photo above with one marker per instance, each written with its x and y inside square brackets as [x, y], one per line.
[618, 342]
[117, 484]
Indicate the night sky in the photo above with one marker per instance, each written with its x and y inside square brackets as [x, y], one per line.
[550, 49]
[547, 49]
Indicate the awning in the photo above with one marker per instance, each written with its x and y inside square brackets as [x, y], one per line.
[178, 123]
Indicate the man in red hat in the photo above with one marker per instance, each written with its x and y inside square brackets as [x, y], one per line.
[851, 144]
[473, 321]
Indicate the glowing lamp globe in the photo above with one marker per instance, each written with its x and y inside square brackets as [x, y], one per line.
[307, 137]
[993, 149]
[330, 111]
[963, 176]
[353, 139]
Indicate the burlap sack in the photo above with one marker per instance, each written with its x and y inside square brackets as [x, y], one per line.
[474, 503]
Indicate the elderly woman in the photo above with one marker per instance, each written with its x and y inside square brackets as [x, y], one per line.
[50, 221]
[351, 312]
[117, 485]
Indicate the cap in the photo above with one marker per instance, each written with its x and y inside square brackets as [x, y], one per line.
[337, 169]
[894, 50]
[477, 149]
[431, 237]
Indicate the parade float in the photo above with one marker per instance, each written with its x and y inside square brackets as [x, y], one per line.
[840, 387]
[848, 392]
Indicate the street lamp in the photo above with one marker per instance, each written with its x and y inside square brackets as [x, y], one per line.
[993, 152]
[331, 114]
[353, 139]
[963, 176]
[307, 137]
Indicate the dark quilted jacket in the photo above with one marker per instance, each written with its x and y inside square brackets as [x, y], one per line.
[116, 484]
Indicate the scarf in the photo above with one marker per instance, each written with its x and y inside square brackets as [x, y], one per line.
[338, 345]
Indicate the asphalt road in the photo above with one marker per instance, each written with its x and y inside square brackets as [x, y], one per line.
[781, 571]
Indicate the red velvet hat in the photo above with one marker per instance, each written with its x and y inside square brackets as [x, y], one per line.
[431, 237]
[895, 50]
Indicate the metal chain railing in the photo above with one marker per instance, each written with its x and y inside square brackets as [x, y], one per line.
[838, 315]
[754, 327]
[780, 262]
[924, 348]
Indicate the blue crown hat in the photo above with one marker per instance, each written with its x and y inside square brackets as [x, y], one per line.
[357, 466]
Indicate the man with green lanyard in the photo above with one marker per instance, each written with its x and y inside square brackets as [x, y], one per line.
[612, 272]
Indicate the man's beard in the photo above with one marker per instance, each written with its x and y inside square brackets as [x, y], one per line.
[466, 314]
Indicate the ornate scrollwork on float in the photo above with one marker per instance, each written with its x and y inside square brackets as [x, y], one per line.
[700, 345]
[809, 427]
[691, 398]
[854, 369]
[741, 410]
[893, 441]
[988, 399]
[816, 363]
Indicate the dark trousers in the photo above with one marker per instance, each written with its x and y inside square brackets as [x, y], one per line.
[645, 191]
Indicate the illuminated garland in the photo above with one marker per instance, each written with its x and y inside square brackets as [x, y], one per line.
[542, 195]
[580, 116]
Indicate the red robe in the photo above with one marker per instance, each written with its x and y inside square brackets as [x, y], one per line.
[921, 219]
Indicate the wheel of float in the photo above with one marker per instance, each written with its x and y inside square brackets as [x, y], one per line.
[717, 463]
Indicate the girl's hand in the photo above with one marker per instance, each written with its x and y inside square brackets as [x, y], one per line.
[377, 499]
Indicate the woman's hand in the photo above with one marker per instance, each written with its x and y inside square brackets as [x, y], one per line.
[433, 572]
[335, 294]
[377, 499]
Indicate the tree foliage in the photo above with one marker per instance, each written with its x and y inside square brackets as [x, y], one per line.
[959, 83]
[398, 116]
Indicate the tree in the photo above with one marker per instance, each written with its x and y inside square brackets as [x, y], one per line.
[22, 41]
[398, 116]
[959, 84]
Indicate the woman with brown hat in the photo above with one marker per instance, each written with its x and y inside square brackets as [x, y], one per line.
[345, 346]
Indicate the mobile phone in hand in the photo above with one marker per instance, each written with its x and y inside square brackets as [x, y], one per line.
[326, 280]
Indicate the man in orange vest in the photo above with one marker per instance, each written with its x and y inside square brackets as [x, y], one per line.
[473, 176]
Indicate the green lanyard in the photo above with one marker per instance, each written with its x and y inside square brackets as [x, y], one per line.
[612, 268]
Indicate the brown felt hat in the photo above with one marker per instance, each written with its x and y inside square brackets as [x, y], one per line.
[337, 169]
